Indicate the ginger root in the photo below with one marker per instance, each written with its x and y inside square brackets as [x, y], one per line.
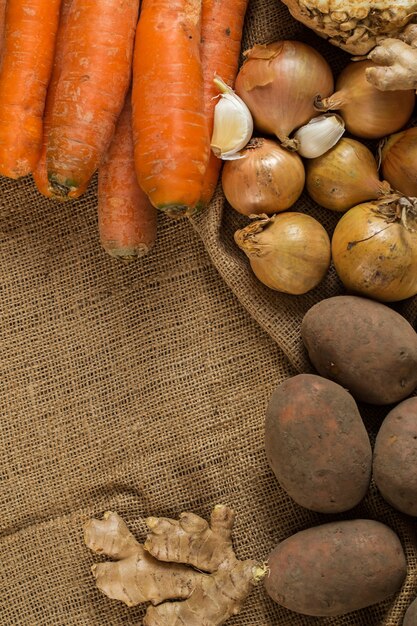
[396, 62]
[187, 561]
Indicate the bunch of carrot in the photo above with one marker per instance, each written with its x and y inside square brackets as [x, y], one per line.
[122, 88]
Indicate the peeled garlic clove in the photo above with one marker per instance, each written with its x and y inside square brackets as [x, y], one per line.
[233, 123]
[319, 135]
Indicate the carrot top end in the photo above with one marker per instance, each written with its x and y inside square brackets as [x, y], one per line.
[62, 189]
[177, 211]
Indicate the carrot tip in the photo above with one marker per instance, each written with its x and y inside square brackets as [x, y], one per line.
[128, 254]
[61, 190]
[177, 211]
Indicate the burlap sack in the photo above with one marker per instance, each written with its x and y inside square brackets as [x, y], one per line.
[142, 389]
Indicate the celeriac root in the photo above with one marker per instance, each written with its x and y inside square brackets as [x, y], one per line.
[355, 26]
[186, 560]
[396, 61]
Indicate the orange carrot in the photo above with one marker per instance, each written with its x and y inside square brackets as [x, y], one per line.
[2, 23]
[39, 173]
[27, 58]
[221, 38]
[172, 143]
[89, 95]
[127, 220]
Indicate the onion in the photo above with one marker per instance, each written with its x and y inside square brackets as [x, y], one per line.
[344, 176]
[279, 83]
[368, 112]
[374, 249]
[267, 179]
[289, 252]
[398, 161]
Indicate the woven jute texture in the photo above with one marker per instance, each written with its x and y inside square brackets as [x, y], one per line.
[142, 389]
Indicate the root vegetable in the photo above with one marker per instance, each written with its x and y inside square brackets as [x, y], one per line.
[27, 58]
[3, 4]
[221, 37]
[185, 560]
[410, 617]
[170, 130]
[127, 221]
[352, 25]
[363, 345]
[40, 174]
[395, 456]
[317, 445]
[94, 79]
[396, 62]
[336, 568]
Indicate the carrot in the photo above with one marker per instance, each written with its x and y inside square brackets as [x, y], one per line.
[221, 37]
[171, 138]
[27, 58]
[39, 173]
[89, 96]
[127, 220]
[2, 23]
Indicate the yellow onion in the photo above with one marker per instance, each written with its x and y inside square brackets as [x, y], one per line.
[374, 249]
[399, 161]
[368, 112]
[267, 179]
[288, 252]
[279, 83]
[344, 176]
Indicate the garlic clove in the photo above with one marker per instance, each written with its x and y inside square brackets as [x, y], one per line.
[233, 123]
[319, 135]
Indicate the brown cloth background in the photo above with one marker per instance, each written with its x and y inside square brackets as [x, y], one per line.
[142, 389]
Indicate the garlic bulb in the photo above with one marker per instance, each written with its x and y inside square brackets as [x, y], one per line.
[232, 125]
[319, 135]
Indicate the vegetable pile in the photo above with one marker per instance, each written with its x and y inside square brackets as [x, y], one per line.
[160, 110]
[125, 90]
[358, 161]
[318, 449]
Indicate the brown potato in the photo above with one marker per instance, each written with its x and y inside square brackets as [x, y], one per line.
[395, 457]
[336, 568]
[410, 617]
[363, 345]
[317, 445]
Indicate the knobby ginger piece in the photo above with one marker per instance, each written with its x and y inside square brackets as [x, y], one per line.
[135, 576]
[186, 560]
[396, 61]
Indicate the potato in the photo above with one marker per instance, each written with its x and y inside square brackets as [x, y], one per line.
[336, 568]
[410, 617]
[395, 457]
[363, 345]
[317, 445]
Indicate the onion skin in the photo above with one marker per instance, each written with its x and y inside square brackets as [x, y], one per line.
[279, 83]
[268, 179]
[398, 161]
[375, 253]
[344, 176]
[368, 112]
[288, 252]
